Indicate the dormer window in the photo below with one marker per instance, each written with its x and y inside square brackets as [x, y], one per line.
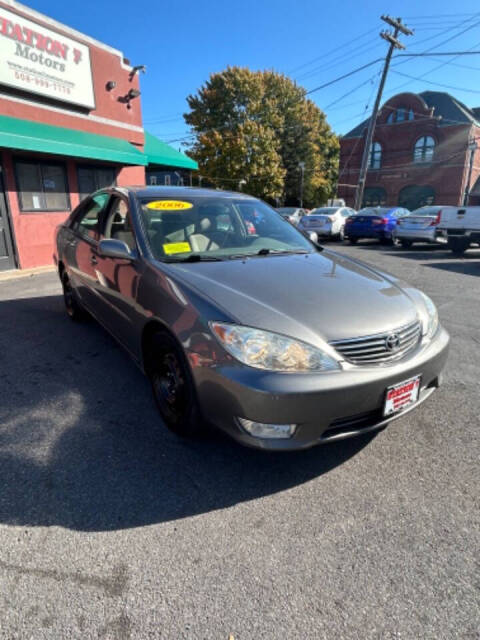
[400, 114]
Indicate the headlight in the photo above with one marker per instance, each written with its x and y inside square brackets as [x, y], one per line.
[430, 319]
[271, 351]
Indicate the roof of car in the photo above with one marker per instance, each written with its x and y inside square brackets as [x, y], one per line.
[184, 192]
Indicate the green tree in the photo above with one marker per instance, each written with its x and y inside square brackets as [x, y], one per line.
[257, 127]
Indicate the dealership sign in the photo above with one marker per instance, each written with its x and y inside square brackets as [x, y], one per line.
[38, 60]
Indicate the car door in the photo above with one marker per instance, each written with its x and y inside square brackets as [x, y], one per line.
[117, 278]
[82, 249]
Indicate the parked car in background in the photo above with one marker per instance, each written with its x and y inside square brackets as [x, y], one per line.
[242, 330]
[327, 222]
[292, 214]
[461, 225]
[420, 226]
[374, 222]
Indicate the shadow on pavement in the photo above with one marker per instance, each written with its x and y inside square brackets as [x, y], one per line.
[468, 268]
[81, 445]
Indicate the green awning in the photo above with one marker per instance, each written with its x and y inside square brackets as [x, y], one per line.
[46, 138]
[159, 152]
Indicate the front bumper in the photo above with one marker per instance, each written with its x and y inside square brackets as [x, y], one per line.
[326, 407]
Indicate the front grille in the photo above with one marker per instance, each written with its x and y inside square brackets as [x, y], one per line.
[382, 347]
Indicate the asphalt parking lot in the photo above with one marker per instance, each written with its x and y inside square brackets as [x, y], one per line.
[111, 527]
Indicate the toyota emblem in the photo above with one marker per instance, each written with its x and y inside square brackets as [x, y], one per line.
[392, 342]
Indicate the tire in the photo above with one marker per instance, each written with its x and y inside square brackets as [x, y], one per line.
[353, 240]
[74, 309]
[406, 244]
[458, 246]
[172, 386]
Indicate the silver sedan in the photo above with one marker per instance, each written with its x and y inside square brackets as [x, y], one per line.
[326, 222]
[420, 225]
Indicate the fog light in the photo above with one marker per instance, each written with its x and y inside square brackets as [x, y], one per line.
[262, 430]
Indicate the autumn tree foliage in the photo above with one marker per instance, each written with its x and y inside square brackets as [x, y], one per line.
[256, 127]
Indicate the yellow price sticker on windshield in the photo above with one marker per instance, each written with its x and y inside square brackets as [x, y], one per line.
[176, 247]
[169, 205]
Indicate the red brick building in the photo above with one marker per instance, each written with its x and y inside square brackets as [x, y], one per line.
[70, 122]
[419, 155]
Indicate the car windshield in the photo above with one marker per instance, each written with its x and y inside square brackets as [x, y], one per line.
[285, 211]
[217, 228]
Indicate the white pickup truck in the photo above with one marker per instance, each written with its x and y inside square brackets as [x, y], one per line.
[461, 227]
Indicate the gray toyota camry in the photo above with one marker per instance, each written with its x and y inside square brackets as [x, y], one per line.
[242, 322]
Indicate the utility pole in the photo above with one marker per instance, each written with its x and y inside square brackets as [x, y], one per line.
[301, 166]
[472, 146]
[397, 24]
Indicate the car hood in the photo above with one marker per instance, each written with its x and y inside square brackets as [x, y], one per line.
[319, 295]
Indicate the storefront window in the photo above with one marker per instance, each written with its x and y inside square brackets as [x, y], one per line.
[91, 179]
[42, 186]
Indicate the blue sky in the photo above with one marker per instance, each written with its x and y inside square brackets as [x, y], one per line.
[183, 42]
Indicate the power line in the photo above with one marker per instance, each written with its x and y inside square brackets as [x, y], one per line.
[325, 55]
[345, 75]
[362, 84]
[344, 57]
[436, 84]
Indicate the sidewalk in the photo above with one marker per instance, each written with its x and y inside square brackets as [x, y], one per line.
[12, 274]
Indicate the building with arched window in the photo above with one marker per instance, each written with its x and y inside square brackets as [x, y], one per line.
[419, 156]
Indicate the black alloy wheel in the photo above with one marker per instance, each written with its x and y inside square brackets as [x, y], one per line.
[172, 386]
[406, 244]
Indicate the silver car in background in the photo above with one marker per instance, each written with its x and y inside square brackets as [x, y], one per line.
[420, 225]
[292, 214]
[327, 222]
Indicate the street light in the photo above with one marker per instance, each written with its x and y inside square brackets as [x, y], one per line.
[301, 166]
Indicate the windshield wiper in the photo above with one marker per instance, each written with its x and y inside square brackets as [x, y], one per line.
[267, 252]
[194, 257]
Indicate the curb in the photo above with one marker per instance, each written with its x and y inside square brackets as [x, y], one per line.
[25, 273]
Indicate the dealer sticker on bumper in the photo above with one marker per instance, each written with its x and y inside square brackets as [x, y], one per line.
[402, 395]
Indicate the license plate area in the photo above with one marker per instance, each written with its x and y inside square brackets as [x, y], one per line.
[402, 395]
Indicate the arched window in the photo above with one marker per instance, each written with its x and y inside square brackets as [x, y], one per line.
[375, 159]
[374, 197]
[423, 151]
[401, 114]
[410, 114]
[391, 117]
[415, 196]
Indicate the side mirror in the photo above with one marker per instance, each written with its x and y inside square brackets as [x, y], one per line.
[115, 249]
[313, 236]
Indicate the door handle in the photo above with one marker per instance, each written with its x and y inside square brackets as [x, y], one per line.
[93, 260]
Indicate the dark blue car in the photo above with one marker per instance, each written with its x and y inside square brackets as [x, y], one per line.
[374, 222]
